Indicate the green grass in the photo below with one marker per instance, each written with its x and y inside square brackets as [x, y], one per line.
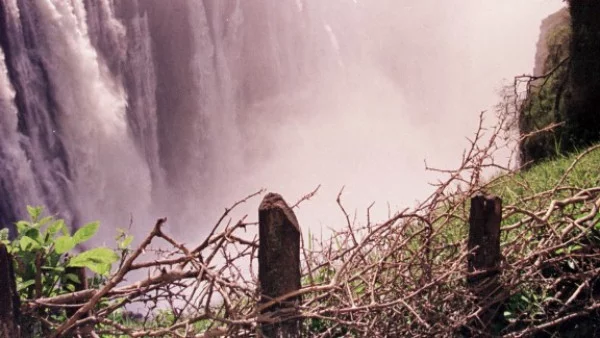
[533, 190]
[544, 176]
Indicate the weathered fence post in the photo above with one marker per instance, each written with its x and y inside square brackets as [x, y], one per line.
[278, 267]
[9, 298]
[484, 261]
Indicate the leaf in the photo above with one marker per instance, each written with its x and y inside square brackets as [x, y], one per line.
[45, 220]
[125, 243]
[55, 227]
[22, 226]
[53, 268]
[98, 260]
[28, 243]
[65, 231]
[34, 212]
[86, 232]
[34, 234]
[73, 278]
[100, 255]
[4, 234]
[100, 268]
[25, 285]
[63, 244]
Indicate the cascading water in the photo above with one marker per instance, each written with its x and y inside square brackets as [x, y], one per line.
[119, 109]
[111, 109]
[30, 145]
[71, 113]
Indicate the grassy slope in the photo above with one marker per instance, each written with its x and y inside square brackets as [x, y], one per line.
[579, 170]
[534, 190]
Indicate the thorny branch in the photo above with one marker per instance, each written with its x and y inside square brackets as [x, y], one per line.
[401, 277]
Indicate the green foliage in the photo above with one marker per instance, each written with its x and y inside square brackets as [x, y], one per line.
[43, 250]
[532, 189]
[98, 260]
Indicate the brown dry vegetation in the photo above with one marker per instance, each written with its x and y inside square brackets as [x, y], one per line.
[402, 277]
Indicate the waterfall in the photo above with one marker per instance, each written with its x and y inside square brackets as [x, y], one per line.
[31, 146]
[111, 109]
[18, 179]
[125, 110]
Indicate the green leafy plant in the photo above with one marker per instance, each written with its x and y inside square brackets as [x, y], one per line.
[43, 250]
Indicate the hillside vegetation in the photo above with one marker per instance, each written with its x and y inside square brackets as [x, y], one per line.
[562, 94]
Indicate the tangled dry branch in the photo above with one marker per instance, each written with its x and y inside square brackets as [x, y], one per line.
[402, 277]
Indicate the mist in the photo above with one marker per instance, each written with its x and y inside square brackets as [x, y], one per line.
[410, 82]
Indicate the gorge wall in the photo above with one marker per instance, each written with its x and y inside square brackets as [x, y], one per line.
[565, 93]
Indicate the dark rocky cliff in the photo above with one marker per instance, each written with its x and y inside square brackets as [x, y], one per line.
[558, 21]
[542, 107]
[565, 86]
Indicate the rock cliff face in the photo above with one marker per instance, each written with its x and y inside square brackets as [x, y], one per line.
[542, 107]
[568, 60]
[550, 25]
[582, 102]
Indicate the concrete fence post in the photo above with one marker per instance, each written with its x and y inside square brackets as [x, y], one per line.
[278, 267]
